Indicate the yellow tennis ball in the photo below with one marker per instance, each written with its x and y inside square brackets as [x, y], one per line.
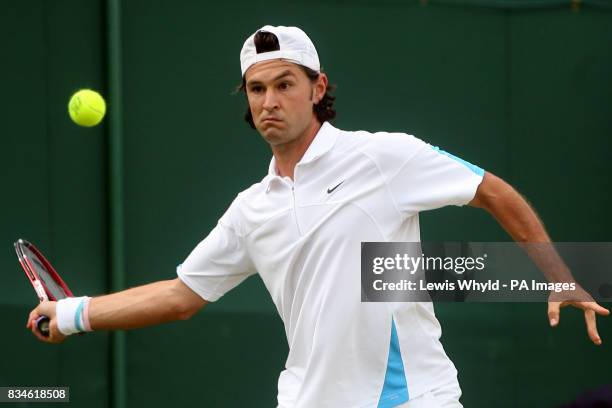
[86, 107]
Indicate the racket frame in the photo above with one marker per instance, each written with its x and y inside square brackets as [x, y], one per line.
[41, 290]
[43, 293]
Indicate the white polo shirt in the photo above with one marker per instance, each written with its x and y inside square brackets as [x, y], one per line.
[304, 239]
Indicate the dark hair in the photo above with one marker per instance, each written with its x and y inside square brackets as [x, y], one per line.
[324, 110]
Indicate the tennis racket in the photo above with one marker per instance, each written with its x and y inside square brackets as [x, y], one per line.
[47, 283]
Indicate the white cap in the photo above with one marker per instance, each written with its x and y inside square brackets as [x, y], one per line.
[295, 46]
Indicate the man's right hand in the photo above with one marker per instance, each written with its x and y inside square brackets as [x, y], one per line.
[46, 308]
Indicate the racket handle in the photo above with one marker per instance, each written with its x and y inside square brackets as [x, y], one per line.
[42, 323]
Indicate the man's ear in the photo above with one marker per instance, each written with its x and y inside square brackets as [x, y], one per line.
[320, 87]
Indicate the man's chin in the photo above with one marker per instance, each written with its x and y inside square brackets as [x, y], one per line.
[272, 135]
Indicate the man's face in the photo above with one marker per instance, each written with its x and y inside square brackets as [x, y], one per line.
[281, 98]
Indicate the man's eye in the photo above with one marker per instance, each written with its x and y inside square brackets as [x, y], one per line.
[256, 89]
[284, 85]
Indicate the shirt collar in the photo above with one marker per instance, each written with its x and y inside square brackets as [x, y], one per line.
[321, 144]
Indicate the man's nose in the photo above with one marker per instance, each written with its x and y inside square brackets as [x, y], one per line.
[270, 100]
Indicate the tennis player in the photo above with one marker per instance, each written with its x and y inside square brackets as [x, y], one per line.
[326, 191]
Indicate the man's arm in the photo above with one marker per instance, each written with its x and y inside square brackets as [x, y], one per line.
[519, 220]
[510, 210]
[142, 306]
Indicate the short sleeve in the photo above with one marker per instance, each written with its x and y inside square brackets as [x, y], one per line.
[218, 263]
[421, 176]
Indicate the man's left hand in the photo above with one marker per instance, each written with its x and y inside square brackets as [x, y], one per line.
[586, 303]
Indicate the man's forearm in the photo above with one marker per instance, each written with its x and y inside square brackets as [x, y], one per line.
[146, 305]
[522, 223]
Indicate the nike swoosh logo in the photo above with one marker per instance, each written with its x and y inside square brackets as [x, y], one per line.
[331, 190]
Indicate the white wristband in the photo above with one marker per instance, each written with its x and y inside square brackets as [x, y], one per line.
[69, 315]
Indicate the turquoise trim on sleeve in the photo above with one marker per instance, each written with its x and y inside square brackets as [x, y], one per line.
[77, 316]
[395, 388]
[467, 164]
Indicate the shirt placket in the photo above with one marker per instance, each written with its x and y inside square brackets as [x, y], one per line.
[294, 201]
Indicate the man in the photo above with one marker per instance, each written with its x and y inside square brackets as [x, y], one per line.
[301, 229]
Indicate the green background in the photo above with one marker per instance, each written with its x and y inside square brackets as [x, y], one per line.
[521, 88]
